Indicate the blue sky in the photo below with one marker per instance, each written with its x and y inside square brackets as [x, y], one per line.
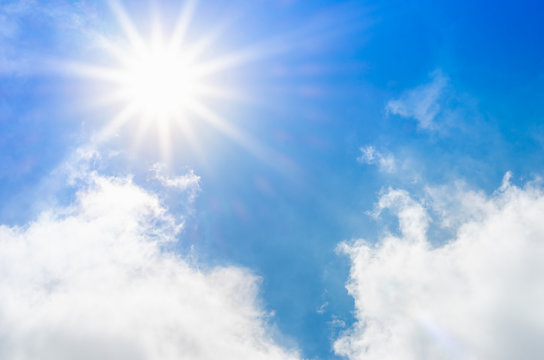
[413, 124]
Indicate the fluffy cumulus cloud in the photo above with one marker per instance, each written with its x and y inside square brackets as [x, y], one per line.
[478, 296]
[96, 280]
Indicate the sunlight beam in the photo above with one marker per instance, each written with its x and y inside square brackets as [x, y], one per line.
[162, 81]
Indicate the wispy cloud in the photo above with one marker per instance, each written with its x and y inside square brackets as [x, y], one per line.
[385, 162]
[321, 310]
[477, 297]
[93, 280]
[181, 182]
[424, 103]
[400, 165]
[189, 182]
[16, 15]
[10, 14]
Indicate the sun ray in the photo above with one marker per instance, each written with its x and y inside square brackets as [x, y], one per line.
[133, 36]
[163, 82]
[118, 121]
[165, 138]
[226, 62]
[182, 24]
[234, 133]
[142, 128]
[190, 137]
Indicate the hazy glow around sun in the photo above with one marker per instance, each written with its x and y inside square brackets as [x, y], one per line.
[162, 81]
[157, 77]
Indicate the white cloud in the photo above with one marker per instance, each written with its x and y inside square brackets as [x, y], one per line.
[479, 296]
[95, 281]
[423, 103]
[321, 310]
[181, 182]
[371, 156]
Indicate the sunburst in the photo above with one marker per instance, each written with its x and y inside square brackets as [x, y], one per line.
[160, 81]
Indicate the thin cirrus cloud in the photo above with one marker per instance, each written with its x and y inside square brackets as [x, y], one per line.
[423, 103]
[10, 60]
[189, 182]
[16, 15]
[385, 161]
[478, 296]
[95, 280]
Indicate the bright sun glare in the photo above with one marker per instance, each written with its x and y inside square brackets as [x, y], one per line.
[159, 81]
[163, 81]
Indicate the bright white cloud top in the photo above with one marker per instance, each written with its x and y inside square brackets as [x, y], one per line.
[94, 281]
[477, 297]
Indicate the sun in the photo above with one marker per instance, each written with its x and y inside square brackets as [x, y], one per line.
[160, 81]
